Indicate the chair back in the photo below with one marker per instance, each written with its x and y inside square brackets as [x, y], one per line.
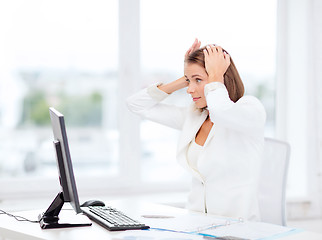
[272, 182]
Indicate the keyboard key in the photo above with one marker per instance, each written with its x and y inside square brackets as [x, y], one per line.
[112, 219]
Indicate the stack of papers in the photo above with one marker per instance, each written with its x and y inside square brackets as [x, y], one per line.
[251, 230]
[188, 223]
[216, 227]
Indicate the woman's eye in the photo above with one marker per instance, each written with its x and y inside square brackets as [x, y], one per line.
[187, 80]
[198, 79]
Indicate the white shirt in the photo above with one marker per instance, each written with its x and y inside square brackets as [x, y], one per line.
[193, 153]
[229, 164]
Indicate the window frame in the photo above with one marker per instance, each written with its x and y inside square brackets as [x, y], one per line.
[297, 101]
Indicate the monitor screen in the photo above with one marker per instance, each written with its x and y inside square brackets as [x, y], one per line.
[64, 162]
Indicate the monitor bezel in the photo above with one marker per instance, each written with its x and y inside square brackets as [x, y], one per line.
[64, 162]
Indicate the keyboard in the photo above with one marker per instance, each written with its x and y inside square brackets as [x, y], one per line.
[112, 219]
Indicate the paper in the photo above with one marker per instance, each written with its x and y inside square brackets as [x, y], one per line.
[250, 230]
[225, 228]
[187, 223]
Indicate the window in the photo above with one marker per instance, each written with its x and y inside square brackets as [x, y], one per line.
[61, 54]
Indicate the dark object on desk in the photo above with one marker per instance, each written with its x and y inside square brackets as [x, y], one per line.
[90, 203]
[112, 219]
[50, 219]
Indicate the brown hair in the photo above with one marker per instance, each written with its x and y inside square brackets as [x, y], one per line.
[232, 79]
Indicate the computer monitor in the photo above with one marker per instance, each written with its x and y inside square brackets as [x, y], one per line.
[66, 173]
[50, 218]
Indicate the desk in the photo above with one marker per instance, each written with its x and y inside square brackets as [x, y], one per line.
[10, 229]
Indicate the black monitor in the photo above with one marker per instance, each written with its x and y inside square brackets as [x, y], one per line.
[50, 218]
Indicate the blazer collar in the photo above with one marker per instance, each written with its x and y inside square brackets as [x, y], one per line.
[191, 127]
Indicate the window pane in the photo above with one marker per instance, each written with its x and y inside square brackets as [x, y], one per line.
[61, 54]
[246, 29]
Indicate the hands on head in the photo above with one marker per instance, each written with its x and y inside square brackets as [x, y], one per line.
[217, 60]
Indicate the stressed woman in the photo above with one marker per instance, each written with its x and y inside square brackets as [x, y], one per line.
[222, 132]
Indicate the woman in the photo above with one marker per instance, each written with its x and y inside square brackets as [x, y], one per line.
[222, 132]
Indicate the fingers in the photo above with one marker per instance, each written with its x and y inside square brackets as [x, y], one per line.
[227, 56]
[195, 46]
[189, 50]
[217, 61]
[210, 49]
[195, 43]
[198, 44]
[214, 48]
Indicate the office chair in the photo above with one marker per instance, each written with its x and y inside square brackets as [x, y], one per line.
[272, 181]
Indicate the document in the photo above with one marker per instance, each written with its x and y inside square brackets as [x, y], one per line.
[218, 227]
[192, 223]
[251, 230]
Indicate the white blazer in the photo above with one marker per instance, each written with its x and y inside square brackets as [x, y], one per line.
[228, 168]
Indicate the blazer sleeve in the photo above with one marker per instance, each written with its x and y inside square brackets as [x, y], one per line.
[247, 115]
[147, 103]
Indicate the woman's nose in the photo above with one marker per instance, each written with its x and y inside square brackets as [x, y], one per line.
[190, 88]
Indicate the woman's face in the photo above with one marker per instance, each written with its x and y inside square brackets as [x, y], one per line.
[197, 78]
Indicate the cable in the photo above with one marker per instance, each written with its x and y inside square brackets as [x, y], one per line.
[19, 218]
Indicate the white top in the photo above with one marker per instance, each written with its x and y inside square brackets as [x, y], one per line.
[229, 164]
[193, 154]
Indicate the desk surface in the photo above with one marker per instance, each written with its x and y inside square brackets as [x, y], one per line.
[12, 229]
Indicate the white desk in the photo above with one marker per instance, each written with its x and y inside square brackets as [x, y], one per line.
[10, 229]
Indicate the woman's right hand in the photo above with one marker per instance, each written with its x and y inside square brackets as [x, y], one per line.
[181, 82]
[196, 45]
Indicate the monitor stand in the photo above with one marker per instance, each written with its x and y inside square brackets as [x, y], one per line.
[50, 219]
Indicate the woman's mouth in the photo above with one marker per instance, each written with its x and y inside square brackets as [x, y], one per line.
[196, 99]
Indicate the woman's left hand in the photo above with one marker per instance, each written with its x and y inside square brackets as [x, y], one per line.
[195, 46]
[217, 62]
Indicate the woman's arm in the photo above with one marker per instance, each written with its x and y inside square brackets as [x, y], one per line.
[174, 86]
[246, 115]
[147, 103]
